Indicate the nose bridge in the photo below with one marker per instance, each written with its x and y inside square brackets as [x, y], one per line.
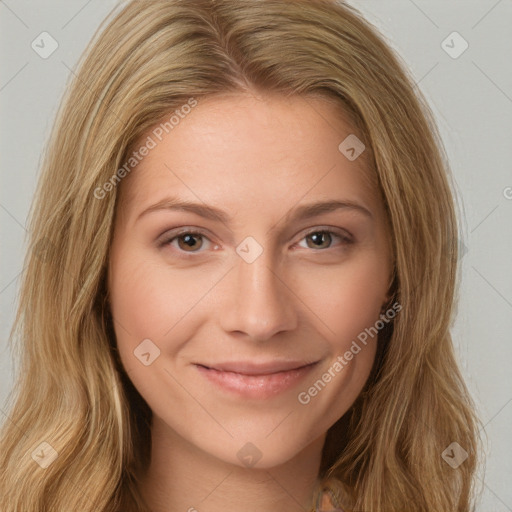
[260, 303]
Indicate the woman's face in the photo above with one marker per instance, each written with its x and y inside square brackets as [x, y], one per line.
[218, 329]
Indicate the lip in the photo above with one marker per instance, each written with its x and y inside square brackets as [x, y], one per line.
[256, 381]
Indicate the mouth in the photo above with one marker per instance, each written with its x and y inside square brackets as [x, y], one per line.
[256, 381]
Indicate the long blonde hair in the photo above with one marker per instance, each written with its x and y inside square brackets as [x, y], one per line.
[73, 405]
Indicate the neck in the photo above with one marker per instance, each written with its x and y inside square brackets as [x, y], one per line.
[182, 477]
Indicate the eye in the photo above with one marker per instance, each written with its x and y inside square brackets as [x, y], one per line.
[320, 237]
[187, 241]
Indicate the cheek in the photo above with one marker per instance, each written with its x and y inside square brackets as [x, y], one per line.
[347, 299]
[347, 303]
[144, 301]
[137, 305]
[151, 301]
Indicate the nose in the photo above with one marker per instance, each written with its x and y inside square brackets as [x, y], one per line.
[259, 303]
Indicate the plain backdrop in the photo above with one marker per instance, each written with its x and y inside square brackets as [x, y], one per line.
[470, 92]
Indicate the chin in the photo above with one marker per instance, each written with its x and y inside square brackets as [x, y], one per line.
[261, 454]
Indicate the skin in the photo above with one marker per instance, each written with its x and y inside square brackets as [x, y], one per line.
[257, 158]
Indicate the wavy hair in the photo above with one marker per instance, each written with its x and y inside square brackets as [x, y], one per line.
[73, 402]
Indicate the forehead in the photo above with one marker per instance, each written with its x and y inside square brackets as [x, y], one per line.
[237, 148]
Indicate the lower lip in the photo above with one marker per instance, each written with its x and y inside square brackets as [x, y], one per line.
[256, 386]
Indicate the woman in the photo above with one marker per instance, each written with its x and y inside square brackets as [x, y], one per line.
[187, 341]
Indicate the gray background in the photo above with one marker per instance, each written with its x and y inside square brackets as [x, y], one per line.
[471, 96]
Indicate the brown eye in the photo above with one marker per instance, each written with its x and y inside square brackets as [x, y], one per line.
[189, 241]
[319, 239]
[322, 239]
[186, 242]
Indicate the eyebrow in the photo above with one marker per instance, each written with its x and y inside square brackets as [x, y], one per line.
[296, 214]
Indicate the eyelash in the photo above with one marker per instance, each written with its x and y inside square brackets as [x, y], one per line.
[345, 240]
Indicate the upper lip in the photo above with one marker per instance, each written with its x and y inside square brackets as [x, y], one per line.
[252, 368]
